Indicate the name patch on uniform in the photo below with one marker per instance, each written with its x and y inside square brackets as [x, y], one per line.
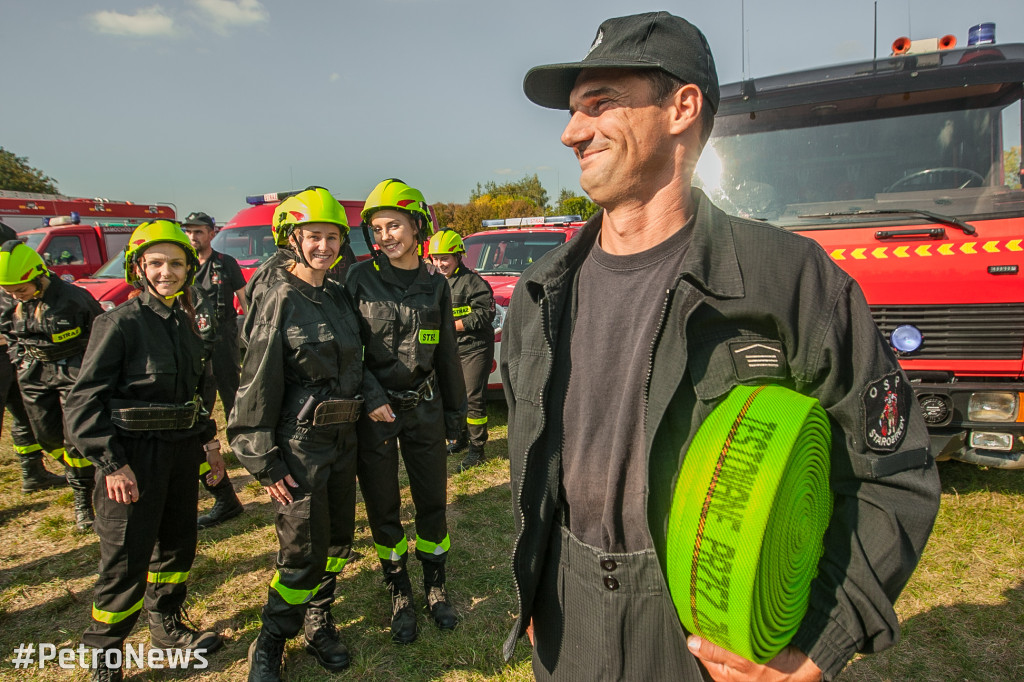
[461, 311]
[757, 359]
[430, 335]
[67, 336]
[885, 413]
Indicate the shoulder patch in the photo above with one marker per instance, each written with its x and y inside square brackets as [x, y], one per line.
[886, 405]
[756, 359]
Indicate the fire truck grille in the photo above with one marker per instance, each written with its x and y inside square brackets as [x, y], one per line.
[990, 331]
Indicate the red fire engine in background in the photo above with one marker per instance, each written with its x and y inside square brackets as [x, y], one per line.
[896, 166]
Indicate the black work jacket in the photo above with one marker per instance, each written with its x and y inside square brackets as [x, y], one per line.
[304, 341]
[58, 322]
[141, 352]
[412, 333]
[741, 283]
[473, 303]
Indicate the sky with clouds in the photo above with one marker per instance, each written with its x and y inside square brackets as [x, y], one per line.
[200, 102]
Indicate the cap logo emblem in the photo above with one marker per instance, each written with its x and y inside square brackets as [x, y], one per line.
[597, 41]
[402, 203]
[298, 215]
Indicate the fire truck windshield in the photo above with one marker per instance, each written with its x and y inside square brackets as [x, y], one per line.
[941, 150]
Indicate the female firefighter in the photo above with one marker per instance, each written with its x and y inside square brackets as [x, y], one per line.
[413, 351]
[48, 329]
[473, 310]
[135, 414]
[304, 386]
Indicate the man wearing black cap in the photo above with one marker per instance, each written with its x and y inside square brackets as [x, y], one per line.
[619, 343]
[219, 279]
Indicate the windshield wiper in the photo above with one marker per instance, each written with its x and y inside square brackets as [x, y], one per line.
[934, 217]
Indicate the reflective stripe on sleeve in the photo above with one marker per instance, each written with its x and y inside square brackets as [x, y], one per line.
[204, 468]
[476, 420]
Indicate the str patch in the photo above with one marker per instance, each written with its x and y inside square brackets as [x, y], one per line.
[758, 359]
[885, 408]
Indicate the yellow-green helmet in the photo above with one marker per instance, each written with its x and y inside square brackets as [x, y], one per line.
[19, 263]
[312, 205]
[157, 232]
[393, 193]
[446, 241]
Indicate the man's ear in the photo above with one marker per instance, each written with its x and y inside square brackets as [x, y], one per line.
[686, 104]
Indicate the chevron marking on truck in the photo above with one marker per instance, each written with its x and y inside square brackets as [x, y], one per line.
[859, 254]
[1014, 245]
[923, 250]
[838, 254]
[901, 252]
[968, 247]
[879, 252]
[991, 247]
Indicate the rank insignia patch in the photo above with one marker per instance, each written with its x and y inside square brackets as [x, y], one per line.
[758, 359]
[885, 413]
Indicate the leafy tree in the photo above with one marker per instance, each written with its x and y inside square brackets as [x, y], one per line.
[529, 187]
[1011, 167]
[571, 204]
[17, 175]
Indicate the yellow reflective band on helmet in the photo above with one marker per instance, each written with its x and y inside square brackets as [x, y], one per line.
[111, 617]
[428, 547]
[335, 564]
[173, 578]
[461, 311]
[430, 335]
[393, 553]
[476, 420]
[204, 468]
[291, 596]
[67, 336]
[76, 462]
[26, 449]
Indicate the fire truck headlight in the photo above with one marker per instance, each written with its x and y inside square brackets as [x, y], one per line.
[987, 440]
[108, 305]
[906, 338]
[499, 316]
[992, 407]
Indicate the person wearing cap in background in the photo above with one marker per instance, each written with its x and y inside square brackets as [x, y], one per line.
[34, 476]
[473, 311]
[619, 343]
[218, 279]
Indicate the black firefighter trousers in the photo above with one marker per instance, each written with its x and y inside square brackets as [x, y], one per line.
[147, 547]
[420, 431]
[476, 368]
[316, 529]
[10, 397]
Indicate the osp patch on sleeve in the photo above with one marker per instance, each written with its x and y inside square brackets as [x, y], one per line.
[886, 402]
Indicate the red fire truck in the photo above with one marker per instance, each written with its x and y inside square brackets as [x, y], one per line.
[896, 167]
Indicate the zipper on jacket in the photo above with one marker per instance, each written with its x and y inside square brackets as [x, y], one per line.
[650, 358]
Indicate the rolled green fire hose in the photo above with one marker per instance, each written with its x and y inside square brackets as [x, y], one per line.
[748, 516]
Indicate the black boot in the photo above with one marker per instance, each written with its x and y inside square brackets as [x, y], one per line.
[437, 596]
[35, 477]
[227, 505]
[322, 639]
[403, 611]
[474, 457]
[457, 446]
[170, 631]
[83, 504]
[266, 658]
[102, 673]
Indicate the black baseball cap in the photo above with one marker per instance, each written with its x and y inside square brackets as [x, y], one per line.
[655, 40]
[198, 218]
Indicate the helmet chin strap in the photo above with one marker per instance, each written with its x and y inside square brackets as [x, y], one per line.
[297, 248]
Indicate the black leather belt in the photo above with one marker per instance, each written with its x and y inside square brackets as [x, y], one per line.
[337, 412]
[53, 353]
[406, 400]
[155, 417]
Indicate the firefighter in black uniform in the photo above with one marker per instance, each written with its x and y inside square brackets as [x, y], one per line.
[48, 330]
[219, 278]
[473, 310]
[34, 476]
[135, 413]
[414, 353]
[304, 386]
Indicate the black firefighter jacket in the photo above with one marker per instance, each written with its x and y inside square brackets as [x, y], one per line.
[473, 303]
[412, 333]
[57, 323]
[743, 283]
[303, 341]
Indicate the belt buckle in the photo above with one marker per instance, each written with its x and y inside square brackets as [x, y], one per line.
[428, 394]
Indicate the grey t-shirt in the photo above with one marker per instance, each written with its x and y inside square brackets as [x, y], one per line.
[604, 471]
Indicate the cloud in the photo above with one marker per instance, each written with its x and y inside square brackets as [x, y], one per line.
[502, 171]
[223, 14]
[147, 22]
[334, 77]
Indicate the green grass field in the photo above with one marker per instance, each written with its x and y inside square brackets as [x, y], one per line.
[962, 613]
